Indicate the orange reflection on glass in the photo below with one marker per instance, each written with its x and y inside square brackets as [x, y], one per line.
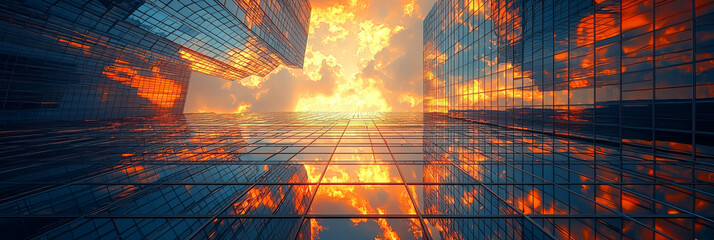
[313, 173]
[362, 199]
[470, 93]
[361, 157]
[509, 16]
[579, 83]
[156, 88]
[636, 14]
[561, 56]
[629, 203]
[438, 105]
[140, 174]
[532, 204]
[475, 7]
[315, 228]
[443, 229]
[385, 228]
[361, 173]
[341, 149]
[85, 48]
[256, 197]
[607, 196]
[199, 63]
[253, 18]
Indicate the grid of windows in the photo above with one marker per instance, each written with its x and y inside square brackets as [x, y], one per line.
[548, 186]
[228, 38]
[74, 60]
[582, 110]
[248, 176]
[310, 175]
[78, 60]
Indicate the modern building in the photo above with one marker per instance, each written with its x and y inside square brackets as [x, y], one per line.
[134, 180]
[210, 176]
[578, 119]
[80, 60]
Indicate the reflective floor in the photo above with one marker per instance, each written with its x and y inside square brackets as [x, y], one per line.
[333, 176]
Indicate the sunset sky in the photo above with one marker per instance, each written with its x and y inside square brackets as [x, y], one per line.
[362, 56]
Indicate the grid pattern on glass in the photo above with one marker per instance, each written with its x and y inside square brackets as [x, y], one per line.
[635, 73]
[231, 39]
[573, 93]
[563, 187]
[76, 60]
[281, 175]
[84, 59]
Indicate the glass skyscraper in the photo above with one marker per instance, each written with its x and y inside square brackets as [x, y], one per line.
[83, 59]
[200, 176]
[571, 119]
[543, 119]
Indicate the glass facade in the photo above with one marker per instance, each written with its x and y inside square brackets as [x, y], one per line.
[197, 176]
[232, 39]
[575, 119]
[79, 60]
[543, 119]
[335, 176]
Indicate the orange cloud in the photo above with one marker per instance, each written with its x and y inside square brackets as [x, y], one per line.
[408, 7]
[355, 95]
[335, 17]
[252, 82]
[314, 61]
[353, 92]
[374, 37]
[412, 99]
[358, 58]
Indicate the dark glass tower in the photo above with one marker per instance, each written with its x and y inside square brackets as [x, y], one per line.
[78, 60]
[575, 119]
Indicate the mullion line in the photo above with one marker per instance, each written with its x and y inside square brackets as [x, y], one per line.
[317, 187]
[425, 229]
[622, 190]
[223, 209]
[512, 207]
